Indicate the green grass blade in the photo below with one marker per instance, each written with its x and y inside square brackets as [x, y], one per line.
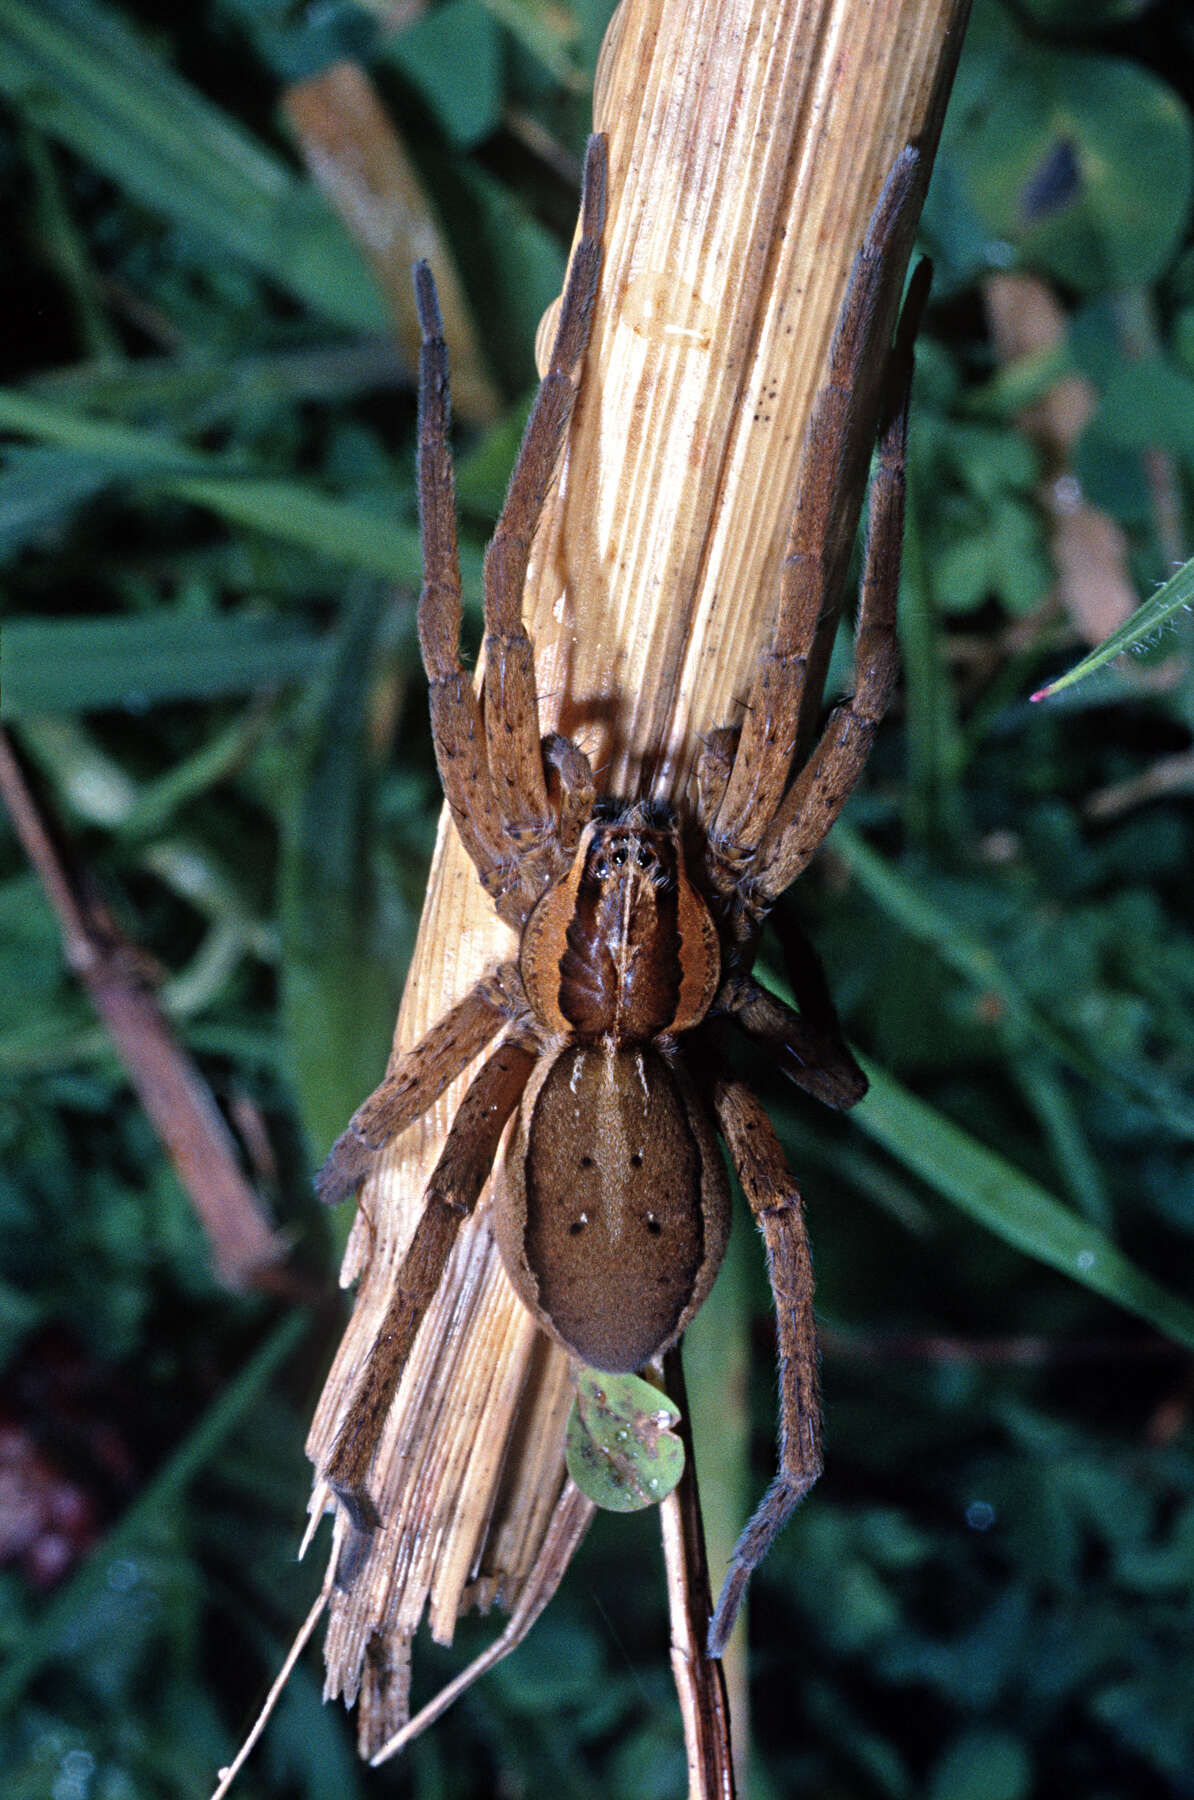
[284, 509]
[81, 665]
[931, 797]
[340, 988]
[78, 74]
[923, 919]
[1176, 596]
[163, 1492]
[1016, 1208]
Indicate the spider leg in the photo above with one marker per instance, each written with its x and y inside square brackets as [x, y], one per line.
[715, 765]
[816, 797]
[775, 1201]
[813, 1055]
[806, 973]
[832, 477]
[419, 1077]
[510, 703]
[456, 727]
[452, 1192]
[570, 788]
[488, 752]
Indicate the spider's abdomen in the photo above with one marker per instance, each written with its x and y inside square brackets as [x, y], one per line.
[624, 947]
[616, 1205]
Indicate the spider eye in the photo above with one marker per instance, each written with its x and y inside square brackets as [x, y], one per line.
[645, 859]
[601, 868]
[619, 856]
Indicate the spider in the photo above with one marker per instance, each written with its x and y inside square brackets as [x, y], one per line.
[637, 925]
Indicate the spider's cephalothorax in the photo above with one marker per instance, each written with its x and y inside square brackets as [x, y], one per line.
[611, 1203]
[615, 1203]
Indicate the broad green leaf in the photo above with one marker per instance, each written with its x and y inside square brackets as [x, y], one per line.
[1052, 162]
[1148, 404]
[454, 56]
[619, 1444]
[1176, 596]
[81, 665]
[38, 489]
[78, 73]
[542, 28]
[1012, 1205]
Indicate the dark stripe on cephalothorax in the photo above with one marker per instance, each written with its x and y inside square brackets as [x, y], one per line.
[620, 973]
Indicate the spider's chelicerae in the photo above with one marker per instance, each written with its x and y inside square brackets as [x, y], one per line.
[637, 926]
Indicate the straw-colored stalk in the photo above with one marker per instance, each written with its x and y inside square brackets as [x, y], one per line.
[353, 152]
[748, 140]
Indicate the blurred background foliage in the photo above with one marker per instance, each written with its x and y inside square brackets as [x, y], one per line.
[207, 530]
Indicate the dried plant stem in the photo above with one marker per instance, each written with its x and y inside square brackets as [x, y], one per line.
[354, 152]
[179, 1102]
[748, 141]
[700, 1683]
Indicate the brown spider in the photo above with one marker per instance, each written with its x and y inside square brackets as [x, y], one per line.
[637, 927]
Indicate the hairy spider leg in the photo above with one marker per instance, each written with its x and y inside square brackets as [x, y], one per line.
[806, 974]
[815, 799]
[510, 701]
[488, 751]
[775, 1201]
[812, 1054]
[743, 777]
[451, 1194]
[456, 728]
[570, 789]
[418, 1077]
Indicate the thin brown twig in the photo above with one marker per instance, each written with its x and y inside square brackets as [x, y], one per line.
[700, 1681]
[173, 1093]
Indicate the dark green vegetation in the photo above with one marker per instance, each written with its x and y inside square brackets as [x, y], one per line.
[990, 1595]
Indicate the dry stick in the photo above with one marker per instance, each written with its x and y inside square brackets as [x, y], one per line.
[700, 1682]
[355, 153]
[748, 141]
[569, 1522]
[305, 1632]
[170, 1088]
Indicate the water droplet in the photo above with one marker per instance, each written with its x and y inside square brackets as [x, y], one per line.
[1086, 1259]
[980, 1515]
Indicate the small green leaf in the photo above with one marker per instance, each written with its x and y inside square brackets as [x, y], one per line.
[1176, 596]
[620, 1444]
